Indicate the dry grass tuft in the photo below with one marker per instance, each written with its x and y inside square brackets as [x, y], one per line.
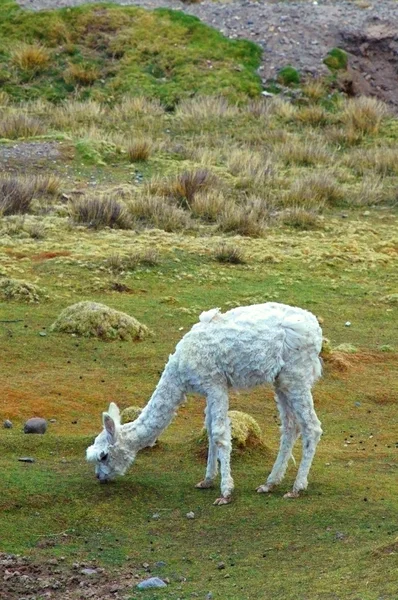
[314, 115]
[184, 186]
[81, 74]
[73, 112]
[208, 205]
[20, 125]
[303, 152]
[207, 108]
[300, 218]
[91, 319]
[32, 58]
[227, 254]
[137, 106]
[344, 136]
[157, 212]
[249, 219]
[364, 114]
[314, 191]
[47, 184]
[383, 161]
[253, 167]
[99, 212]
[16, 195]
[371, 191]
[314, 90]
[139, 149]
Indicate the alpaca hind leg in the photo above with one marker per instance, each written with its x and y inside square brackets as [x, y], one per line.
[311, 432]
[289, 433]
[212, 463]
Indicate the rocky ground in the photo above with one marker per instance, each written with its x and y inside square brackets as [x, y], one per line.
[301, 33]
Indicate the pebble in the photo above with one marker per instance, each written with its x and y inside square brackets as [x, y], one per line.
[88, 571]
[26, 459]
[152, 582]
[347, 324]
[190, 515]
[35, 425]
[7, 424]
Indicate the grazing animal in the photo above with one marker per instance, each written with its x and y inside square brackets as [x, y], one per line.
[242, 348]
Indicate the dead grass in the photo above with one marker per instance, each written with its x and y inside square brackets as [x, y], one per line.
[99, 212]
[314, 115]
[208, 205]
[383, 161]
[16, 195]
[304, 152]
[151, 211]
[47, 184]
[81, 74]
[183, 187]
[228, 254]
[253, 167]
[249, 219]
[139, 149]
[314, 191]
[31, 58]
[135, 107]
[19, 125]
[364, 114]
[300, 218]
[205, 109]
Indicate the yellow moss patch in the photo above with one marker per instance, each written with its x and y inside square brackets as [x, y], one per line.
[92, 319]
[245, 431]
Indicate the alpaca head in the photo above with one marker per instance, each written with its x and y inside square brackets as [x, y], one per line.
[108, 452]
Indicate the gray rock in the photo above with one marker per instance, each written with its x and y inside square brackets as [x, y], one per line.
[26, 459]
[35, 425]
[88, 571]
[152, 582]
[7, 424]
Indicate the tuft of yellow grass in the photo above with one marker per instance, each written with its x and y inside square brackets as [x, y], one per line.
[81, 74]
[364, 114]
[139, 149]
[20, 125]
[32, 58]
[314, 191]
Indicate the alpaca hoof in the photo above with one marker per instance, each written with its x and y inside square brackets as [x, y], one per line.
[204, 485]
[265, 489]
[222, 500]
[292, 495]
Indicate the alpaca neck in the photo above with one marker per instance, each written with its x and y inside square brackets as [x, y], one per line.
[159, 411]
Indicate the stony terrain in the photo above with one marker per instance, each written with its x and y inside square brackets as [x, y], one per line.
[301, 34]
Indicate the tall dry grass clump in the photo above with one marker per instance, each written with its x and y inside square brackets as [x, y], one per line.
[364, 114]
[383, 161]
[205, 109]
[299, 218]
[74, 113]
[229, 254]
[14, 126]
[208, 205]
[136, 106]
[253, 167]
[16, 194]
[183, 187]
[139, 149]
[249, 219]
[31, 58]
[314, 191]
[98, 212]
[303, 152]
[156, 212]
[81, 74]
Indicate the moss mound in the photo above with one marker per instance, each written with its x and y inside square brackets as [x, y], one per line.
[106, 51]
[336, 59]
[245, 432]
[91, 319]
[130, 414]
[22, 291]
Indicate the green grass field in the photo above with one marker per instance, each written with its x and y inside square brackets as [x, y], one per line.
[133, 207]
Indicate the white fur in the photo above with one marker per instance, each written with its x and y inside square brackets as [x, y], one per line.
[245, 347]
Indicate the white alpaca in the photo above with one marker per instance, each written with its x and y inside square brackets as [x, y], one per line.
[245, 347]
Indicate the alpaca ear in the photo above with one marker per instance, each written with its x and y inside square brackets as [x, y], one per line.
[114, 412]
[110, 427]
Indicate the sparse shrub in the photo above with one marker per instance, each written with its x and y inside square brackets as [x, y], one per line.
[383, 161]
[364, 114]
[92, 319]
[16, 195]
[253, 167]
[370, 192]
[21, 291]
[225, 253]
[154, 211]
[36, 230]
[300, 218]
[75, 112]
[149, 258]
[336, 59]
[139, 149]
[347, 136]
[314, 191]
[99, 212]
[32, 58]
[288, 75]
[81, 74]
[20, 125]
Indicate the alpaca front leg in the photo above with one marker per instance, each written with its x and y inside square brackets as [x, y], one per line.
[227, 483]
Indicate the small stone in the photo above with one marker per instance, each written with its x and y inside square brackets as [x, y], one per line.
[156, 516]
[221, 566]
[42, 333]
[53, 420]
[190, 515]
[347, 324]
[35, 425]
[357, 404]
[160, 564]
[7, 424]
[152, 582]
[26, 459]
[88, 571]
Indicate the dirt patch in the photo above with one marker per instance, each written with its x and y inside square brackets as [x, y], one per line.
[23, 578]
[301, 34]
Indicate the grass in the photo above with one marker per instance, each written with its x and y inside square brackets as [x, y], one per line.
[108, 52]
[236, 203]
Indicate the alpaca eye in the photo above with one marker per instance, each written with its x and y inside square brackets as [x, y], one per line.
[103, 457]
